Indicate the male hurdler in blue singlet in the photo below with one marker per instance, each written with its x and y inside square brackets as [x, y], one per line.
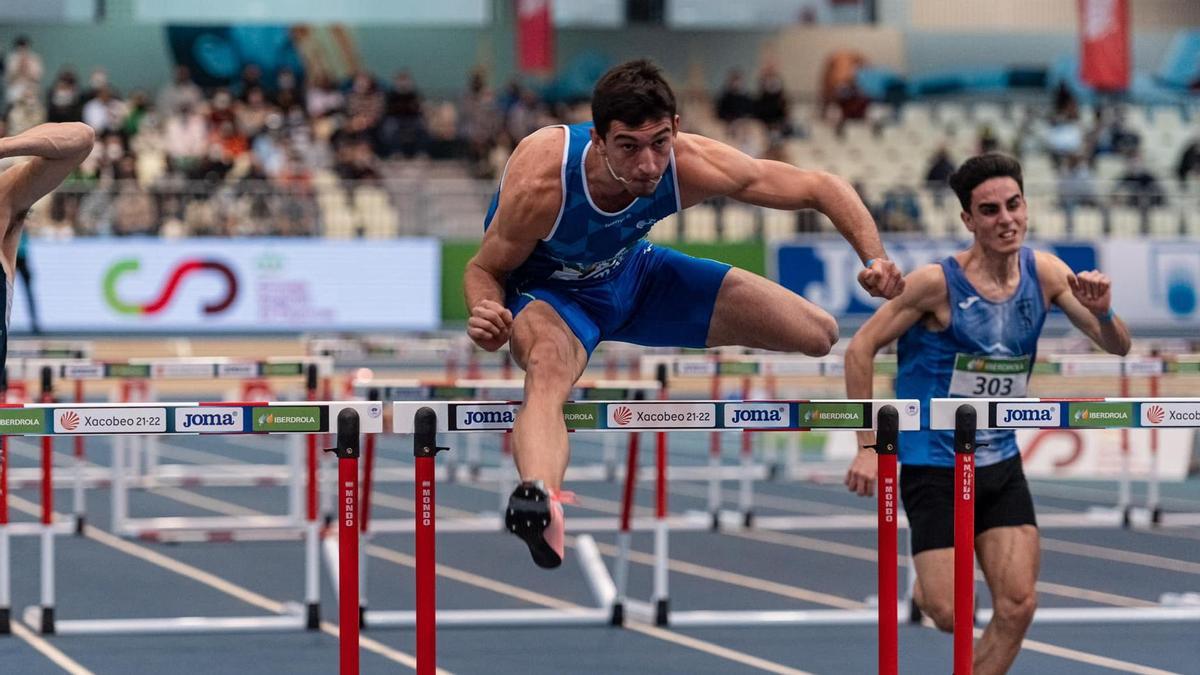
[564, 264]
[985, 304]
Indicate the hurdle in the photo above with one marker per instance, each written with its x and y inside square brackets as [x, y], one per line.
[1151, 368]
[888, 416]
[345, 418]
[964, 416]
[412, 389]
[749, 366]
[127, 448]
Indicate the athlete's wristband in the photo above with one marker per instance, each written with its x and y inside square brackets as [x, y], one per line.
[1108, 316]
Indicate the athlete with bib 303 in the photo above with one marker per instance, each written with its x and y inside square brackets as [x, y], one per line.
[968, 326]
[564, 264]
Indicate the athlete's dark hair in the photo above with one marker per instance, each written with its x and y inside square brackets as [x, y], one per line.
[632, 92]
[980, 168]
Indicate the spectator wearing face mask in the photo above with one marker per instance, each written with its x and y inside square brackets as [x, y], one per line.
[63, 101]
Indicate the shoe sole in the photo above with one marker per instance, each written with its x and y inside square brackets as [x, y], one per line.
[528, 516]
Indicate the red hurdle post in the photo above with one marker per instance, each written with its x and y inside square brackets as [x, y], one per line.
[425, 451]
[347, 452]
[964, 539]
[887, 443]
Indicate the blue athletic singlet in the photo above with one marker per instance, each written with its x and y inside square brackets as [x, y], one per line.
[987, 352]
[603, 278]
[587, 244]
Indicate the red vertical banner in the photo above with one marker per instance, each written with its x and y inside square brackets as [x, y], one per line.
[1104, 43]
[535, 36]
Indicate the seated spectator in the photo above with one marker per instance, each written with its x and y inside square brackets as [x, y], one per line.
[179, 93]
[250, 79]
[356, 162]
[936, 177]
[899, 211]
[1111, 133]
[323, 98]
[734, 102]
[186, 135]
[26, 111]
[852, 105]
[1075, 184]
[252, 115]
[940, 167]
[22, 70]
[138, 108]
[133, 211]
[1138, 187]
[772, 107]
[524, 116]
[104, 111]
[365, 101]
[63, 102]
[988, 140]
[1189, 161]
[222, 109]
[1064, 138]
[402, 130]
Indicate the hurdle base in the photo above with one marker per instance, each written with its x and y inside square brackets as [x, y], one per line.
[312, 616]
[36, 617]
[5, 621]
[475, 618]
[718, 618]
[1087, 615]
[80, 524]
[618, 615]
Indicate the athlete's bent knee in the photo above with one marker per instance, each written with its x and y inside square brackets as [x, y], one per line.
[941, 613]
[549, 364]
[1015, 612]
[825, 336]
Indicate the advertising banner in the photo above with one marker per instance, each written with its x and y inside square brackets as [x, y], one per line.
[1104, 43]
[239, 285]
[1156, 282]
[825, 272]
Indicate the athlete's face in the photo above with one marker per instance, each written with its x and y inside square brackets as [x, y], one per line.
[638, 155]
[998, 216]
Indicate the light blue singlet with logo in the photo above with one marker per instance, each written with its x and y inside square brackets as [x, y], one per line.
[986, 352]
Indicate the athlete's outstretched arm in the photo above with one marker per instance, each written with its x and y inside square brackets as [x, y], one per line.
[1086, 299]
[709, 168]
[529, 204]
[56, 150]
[924, 293]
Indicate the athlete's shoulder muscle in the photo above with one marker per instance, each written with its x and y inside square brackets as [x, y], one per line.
[1052, 274]
[708, 168]
[532, 192]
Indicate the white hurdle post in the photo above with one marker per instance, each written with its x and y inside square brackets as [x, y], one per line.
[50, 420]
[1100, 413]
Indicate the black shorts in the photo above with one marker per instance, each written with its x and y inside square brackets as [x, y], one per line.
[1001, 499]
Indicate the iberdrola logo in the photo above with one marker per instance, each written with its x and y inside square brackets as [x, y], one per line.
[976, 365]
[1082, 414]
[167, 291]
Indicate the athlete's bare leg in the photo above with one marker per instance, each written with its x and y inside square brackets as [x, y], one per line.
[753, 311]
[553, 359]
